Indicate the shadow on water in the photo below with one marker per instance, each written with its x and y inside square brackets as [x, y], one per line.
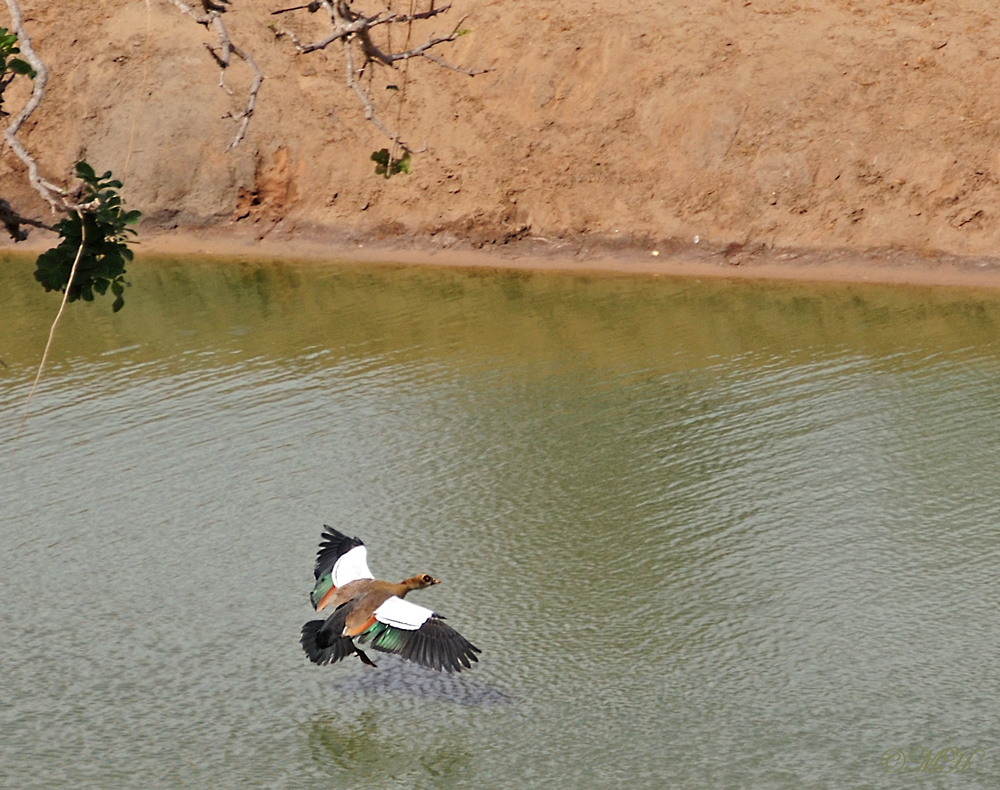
[368, 750]
[400, 677]
[349, 746]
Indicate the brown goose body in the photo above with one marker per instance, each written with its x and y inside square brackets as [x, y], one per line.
[367, 595]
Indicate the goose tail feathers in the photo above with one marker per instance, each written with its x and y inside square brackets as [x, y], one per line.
[323, 646]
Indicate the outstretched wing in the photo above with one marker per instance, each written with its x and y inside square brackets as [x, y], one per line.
[340, 560]
[419, 635]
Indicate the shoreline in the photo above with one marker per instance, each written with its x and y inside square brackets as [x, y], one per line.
[583, 254]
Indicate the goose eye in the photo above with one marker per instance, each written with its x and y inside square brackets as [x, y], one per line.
[427, 579]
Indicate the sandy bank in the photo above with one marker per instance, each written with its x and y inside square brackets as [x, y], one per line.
[580, 255]
[805, 139]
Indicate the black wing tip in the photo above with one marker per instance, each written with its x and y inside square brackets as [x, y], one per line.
[441, 647]
[334, 541]
[466, 658]
[332, 534]
[333, 545]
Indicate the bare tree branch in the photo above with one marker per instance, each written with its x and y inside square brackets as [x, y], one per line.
[342, 31]
[213, 18]
[59, 199]
[460, 69]
[244, 117]
[357, 23]
[374, 53]
[370, 115]
[403, 18]
[13, 221]
[50, 192]
[347, 25]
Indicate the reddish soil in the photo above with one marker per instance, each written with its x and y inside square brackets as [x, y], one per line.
[817, 138]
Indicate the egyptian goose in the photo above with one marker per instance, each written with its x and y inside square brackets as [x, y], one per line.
[375, 612]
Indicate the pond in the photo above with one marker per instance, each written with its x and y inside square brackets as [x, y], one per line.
[707, 534]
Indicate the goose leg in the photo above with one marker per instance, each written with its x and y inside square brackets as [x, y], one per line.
[364, 657]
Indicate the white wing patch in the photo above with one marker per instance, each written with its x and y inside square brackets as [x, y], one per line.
[350, 566]
[402, 614]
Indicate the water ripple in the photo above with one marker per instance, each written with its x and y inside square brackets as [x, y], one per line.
[770, 551]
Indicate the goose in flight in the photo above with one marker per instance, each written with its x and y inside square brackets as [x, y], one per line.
[374, 612]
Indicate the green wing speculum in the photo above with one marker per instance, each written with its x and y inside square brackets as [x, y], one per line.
[434, 645]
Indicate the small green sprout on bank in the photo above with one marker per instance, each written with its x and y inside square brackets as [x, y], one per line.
[388, 166]
[95, 239]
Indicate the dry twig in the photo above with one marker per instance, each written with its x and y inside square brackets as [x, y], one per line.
[59, 199]
[13, 221]
[349, 25]
[370, 115]
[52, 194]
[52, 334]
[213, 18]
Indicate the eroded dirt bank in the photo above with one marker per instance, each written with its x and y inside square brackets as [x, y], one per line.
[779, 134]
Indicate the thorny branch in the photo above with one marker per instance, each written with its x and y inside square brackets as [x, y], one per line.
[349, 25]
[213, 18]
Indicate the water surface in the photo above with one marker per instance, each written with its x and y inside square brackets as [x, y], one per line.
[707, 534]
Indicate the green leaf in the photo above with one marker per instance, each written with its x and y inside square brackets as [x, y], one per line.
[387, 166]
[403, 165]
[85, 172]
[19, 66]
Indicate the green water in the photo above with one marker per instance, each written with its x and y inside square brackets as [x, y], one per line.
[707, 534]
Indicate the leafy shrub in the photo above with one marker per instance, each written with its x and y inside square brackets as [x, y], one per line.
[102, 232]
